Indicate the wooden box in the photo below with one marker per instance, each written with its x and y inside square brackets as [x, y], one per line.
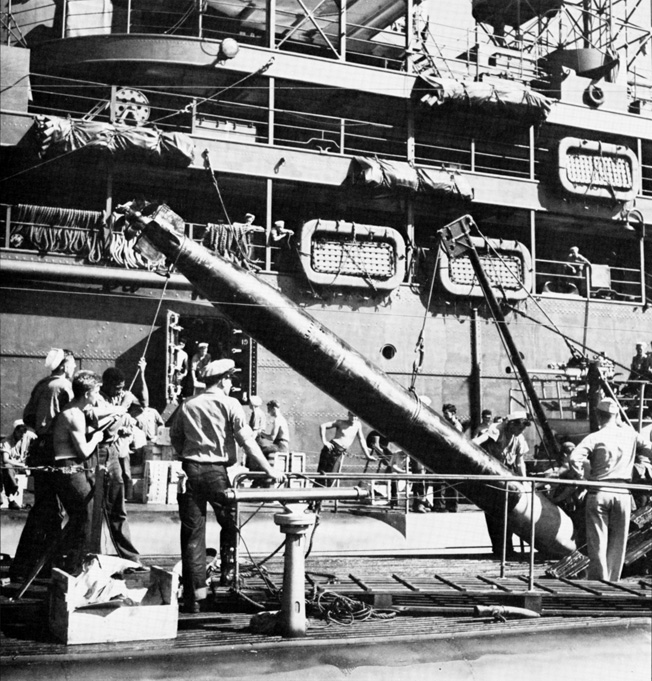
[155, 617]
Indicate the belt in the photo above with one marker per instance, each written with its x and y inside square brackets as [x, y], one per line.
[339, 448]
[63, 463]
[607, 484]
[68, 465]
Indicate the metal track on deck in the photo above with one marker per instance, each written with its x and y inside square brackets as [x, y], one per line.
[385, 587]
[438, 595]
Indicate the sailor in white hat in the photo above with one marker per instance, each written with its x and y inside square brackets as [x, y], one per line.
[52, 393]
[640, 368]
[43, 525]
[200, 360]
[205, 433]
[607, 455]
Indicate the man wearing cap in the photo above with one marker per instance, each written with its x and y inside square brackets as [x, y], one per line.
[505, 442]
[205, 432]
[200, 360]
[51, 393]
[274, 439]
[640, 369]
[43, 525]
[607, 455]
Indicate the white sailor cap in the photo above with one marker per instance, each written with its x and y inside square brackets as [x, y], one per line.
[607, 406]
[54, 358]
[219, 368]
[518, 415]
[255, 400]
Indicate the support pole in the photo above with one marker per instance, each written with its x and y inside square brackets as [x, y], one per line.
[457, 240]
[294, 523]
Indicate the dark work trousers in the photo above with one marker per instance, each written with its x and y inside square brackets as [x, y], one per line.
[41, 530]
[445, 497]
[495, 529]
[75, 492]
[114, 504]
[205, 481]
[125, 464]
[329, 462]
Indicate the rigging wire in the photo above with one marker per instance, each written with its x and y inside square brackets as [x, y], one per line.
[574, 352]
[420, 344]
[39, 165]
[155, 317]
[188, 108]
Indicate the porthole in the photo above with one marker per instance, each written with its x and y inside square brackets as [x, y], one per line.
[388, 351]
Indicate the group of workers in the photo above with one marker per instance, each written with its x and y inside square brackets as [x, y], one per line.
[608, 455]
[80, 420]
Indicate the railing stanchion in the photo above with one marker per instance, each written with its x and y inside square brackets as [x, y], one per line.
[532, 517]
[504, 547]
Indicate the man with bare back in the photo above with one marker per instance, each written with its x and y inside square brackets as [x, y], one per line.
[346, 431]
[73, 477]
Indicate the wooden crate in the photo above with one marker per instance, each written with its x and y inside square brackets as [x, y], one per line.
[155, 618]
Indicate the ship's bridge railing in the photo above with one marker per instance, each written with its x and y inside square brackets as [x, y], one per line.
[377, 34]
[594, 281]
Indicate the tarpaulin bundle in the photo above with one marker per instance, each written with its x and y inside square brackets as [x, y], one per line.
[398, 175]
[57, 136]
[493, 98]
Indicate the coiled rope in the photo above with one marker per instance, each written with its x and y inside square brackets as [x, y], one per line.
[338, 609]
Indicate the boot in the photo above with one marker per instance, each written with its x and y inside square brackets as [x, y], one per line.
[227, 566]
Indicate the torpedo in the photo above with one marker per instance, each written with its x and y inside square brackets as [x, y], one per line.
[336, 368]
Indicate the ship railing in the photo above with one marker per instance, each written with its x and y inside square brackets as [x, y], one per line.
[478, 156]
[378, 483]
[72, 239]
[234, 121]
[564, 394]
[452, 51]
[646, 171]
[595, 281]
